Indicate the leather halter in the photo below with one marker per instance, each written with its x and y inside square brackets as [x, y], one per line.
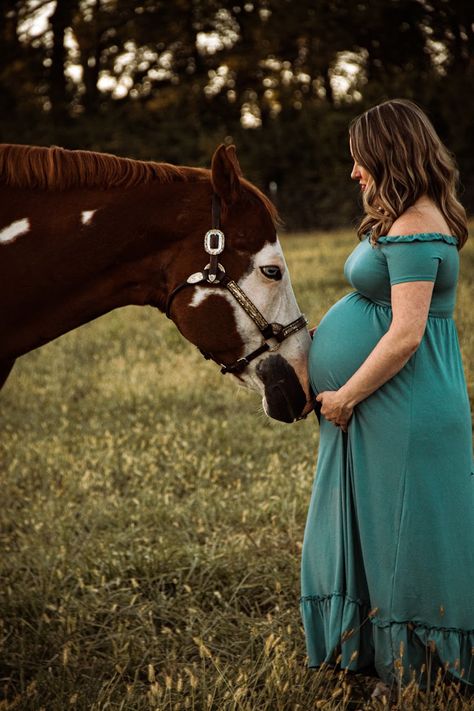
[214, 275]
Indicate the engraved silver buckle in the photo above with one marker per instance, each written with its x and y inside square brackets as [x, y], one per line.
[218, 275]
[220, 242]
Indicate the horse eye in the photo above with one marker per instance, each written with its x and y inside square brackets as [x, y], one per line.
[271, 272]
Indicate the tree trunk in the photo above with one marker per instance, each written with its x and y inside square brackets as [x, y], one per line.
[60, 21]
[10, 50]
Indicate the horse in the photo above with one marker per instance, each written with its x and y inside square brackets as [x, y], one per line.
[83, 233]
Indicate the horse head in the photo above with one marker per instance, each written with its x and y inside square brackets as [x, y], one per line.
[239, 307]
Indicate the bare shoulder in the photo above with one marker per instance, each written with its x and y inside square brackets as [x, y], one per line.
[408, 225]
[424, 216]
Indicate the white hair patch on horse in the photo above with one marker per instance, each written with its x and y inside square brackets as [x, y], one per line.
[87, 215]
[202, 293]
[276, 301]
[16, 229]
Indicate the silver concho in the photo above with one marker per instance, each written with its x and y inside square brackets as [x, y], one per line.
[195, 278]
[220, 242]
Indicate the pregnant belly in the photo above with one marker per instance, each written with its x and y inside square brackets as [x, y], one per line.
[344, 338]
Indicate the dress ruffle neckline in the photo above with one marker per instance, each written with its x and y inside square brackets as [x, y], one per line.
[417, 237]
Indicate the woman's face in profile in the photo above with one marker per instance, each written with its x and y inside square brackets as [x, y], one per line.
[359, 172]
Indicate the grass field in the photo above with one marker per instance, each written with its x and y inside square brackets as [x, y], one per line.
[152, 521]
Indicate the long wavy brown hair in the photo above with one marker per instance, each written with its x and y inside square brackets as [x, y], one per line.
[397, 144]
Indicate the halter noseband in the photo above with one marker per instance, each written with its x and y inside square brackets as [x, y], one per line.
[214, 275]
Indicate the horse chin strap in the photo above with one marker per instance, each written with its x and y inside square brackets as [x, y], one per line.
[215, 275]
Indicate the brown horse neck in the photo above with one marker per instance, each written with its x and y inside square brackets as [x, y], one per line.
[87, 252]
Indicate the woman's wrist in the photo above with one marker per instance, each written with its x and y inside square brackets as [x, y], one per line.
[350, 397]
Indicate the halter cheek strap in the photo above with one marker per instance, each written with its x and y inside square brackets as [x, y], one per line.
[214, 275]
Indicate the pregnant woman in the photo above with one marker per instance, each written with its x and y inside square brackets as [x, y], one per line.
[388, 555]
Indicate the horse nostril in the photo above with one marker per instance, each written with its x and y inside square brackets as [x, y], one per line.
[284, 395]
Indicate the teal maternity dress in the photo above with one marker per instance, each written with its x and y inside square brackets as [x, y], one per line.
[388, 553]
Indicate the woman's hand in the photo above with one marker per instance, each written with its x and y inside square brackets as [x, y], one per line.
[335, 408]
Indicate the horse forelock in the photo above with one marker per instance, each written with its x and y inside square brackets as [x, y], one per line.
[55, 168]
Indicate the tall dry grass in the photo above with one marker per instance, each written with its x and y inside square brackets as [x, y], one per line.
[151, 533]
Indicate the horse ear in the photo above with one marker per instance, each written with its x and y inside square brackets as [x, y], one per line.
[226, 174]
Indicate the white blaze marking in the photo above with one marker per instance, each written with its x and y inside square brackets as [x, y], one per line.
[87, 215]
[17, 228]
[276, 301]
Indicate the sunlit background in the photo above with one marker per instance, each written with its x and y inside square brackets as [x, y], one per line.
[170, 80]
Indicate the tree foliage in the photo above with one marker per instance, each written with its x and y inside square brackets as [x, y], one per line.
[169, 80]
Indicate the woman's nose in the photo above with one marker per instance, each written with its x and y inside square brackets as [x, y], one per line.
[355, 173]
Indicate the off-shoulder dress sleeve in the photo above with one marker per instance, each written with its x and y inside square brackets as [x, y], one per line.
[414, 257]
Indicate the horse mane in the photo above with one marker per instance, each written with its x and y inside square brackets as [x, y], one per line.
[55, 168]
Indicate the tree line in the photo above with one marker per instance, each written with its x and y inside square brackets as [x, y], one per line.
[168, 81]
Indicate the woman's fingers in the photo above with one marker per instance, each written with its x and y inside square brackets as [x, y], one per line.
[339, 415]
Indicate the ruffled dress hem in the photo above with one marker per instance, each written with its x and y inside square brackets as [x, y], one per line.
[342, 619]
[413, 644]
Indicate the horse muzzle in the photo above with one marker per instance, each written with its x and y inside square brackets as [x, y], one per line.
[285, 398]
